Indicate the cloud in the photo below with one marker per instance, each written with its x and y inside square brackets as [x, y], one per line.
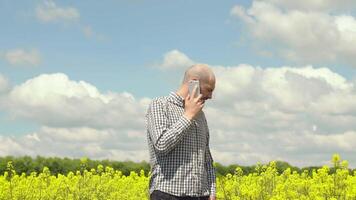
[4, 84]
[301, 115]
[23, 57]
[76, 120]
[314, 5]
[300, 35]
[175, 59]
[90, 33]
[50, 12]
[54, 100]
[78, 142]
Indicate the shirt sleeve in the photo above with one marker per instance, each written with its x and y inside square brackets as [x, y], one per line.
[164, 137]
[210, 167]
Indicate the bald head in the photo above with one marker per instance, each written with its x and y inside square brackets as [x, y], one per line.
[206, 77]
[201, 72]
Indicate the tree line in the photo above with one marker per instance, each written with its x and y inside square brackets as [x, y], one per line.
[57, 165]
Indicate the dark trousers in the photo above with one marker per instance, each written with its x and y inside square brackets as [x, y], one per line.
[159, 195]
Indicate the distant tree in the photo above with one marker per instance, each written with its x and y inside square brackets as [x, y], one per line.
[56, 165]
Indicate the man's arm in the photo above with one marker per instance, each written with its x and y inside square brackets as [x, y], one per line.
[164, 138]
[210, 167]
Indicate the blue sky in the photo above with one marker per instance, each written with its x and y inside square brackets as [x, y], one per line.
[124, 47]
[135, 34]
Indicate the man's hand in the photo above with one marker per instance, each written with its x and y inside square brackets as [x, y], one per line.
[193, 105]
[212, 198]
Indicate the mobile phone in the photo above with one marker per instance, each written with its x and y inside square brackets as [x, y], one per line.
[192, 85]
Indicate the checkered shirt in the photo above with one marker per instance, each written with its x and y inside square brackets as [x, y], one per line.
[180, 158]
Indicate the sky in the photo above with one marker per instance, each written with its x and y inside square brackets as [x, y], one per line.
[76, 77]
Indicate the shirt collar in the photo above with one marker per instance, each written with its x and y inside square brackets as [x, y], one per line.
[176, 99]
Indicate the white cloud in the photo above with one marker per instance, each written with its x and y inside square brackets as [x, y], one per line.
[4, 84]
[77, 142]
[76, 120]
[314, 5]
[261, 114]
[50, 12]
[298, 34]
[301, 115]
[90, 33]
[54, 100]
[23, 57]
[175, 59]
[11, 147]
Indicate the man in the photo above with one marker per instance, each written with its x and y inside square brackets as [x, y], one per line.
[178, 140]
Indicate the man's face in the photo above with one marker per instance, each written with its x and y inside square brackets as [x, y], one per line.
[206, 89]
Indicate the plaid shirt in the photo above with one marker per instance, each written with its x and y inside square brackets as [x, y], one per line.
[181, 163]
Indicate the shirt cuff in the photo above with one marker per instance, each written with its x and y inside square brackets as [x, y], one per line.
[213, 190]
[186, 121]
